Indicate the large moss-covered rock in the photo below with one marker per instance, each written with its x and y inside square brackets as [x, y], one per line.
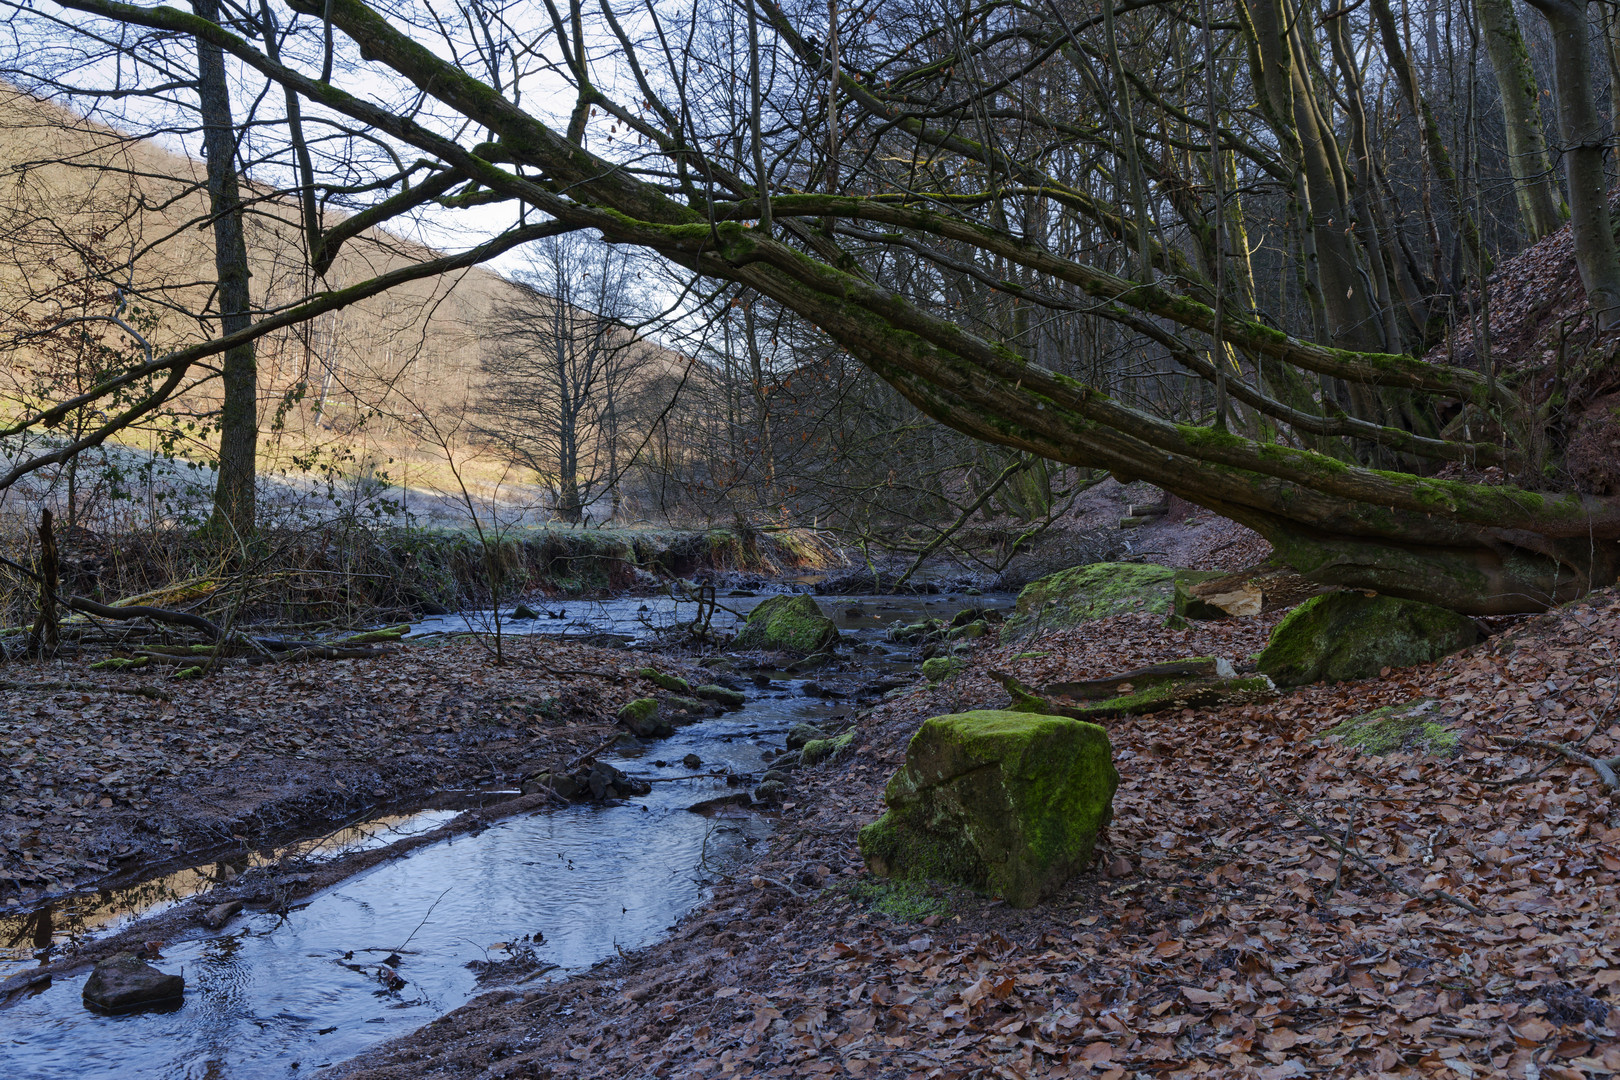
[790, 623]
[1098, 590]
[1350, 635]
[1000, 801]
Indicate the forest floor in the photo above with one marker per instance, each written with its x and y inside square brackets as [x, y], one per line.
[97, 775]
[1266, 903]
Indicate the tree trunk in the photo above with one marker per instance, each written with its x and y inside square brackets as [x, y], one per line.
[1584, 135]
[1521, 118]
[239, 414]
[1352, 323]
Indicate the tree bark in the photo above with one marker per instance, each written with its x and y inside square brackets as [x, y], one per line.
[234, 509]
[1521, 118]
[1584, 135]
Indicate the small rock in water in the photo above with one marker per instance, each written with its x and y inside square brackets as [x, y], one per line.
[524, 611]
[220, 914]
[802, 733]
[770, 791]
[691, 761]
[126, 982]
[853, 613]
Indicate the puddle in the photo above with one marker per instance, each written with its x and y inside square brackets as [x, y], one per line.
[111, 910]
[301, 991]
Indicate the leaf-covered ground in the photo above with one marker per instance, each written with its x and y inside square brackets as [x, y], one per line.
[94, 778]
[1267, 904]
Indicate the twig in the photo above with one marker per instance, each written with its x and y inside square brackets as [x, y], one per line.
[1604, 767]
[1349, 827]
[423, 923]
[1299, 812]
[90, 688]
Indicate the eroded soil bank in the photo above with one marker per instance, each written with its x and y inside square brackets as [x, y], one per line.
[1268, 903]
[103, 778]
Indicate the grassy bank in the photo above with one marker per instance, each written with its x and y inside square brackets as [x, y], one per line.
[352, 574]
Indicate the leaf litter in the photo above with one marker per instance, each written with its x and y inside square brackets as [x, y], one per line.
[1267, 901]
[94, 778]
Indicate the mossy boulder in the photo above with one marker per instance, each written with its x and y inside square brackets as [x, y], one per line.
[818, 750]
[665, 681]
[1098, 590]
[940, 668]
[641, 717]
[722, 695]
[1004, 802]
[789, 623]
[1350, 635]
[1411, 727]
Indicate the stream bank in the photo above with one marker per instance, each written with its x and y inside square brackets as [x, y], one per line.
[403, 698]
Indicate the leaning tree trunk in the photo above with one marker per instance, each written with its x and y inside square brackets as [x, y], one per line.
[1476, 547]
[1521, 118]
[239, 417]
[1585, 136]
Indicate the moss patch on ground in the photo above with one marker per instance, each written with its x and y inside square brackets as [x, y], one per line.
[1411, 727]
[904, 901]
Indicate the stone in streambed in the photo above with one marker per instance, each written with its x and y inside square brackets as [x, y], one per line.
[641, 717]
[818, 750]
[801, 733]
[940, 668]
[1350, 635]
[126, 982]
[673, 683]
[731, 699]
[790, 623]
[1004, 802]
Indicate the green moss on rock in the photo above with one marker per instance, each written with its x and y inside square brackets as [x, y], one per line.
[1098, 590]
[664, 681]
[1411, 727]
[731, 699]
[641, 717]
[790, 623]
[1005, 802]
[818, 750]
[940, 668]
[1349, 635]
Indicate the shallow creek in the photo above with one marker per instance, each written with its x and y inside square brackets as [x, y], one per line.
[305, 989]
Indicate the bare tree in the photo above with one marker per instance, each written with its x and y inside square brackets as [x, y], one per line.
[562, 365]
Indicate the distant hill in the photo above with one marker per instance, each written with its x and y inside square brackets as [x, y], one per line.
[85, 210]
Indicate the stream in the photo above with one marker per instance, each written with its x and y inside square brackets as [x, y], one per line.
[308, 988]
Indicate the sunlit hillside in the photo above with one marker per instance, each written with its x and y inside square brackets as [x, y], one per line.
[93, 220]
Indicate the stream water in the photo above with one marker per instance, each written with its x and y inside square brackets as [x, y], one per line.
[278, 995]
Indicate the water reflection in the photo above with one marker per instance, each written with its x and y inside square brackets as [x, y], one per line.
[32, 937]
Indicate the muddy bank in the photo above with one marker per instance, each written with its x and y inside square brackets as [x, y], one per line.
[98, 779]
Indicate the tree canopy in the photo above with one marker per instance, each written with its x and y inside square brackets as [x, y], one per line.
[1238, 249]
